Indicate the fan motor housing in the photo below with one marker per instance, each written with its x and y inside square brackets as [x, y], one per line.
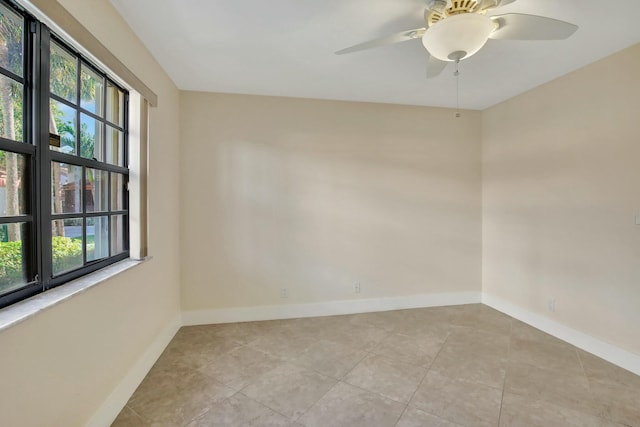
[456, 7]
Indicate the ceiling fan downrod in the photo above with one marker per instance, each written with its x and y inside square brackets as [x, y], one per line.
[456, 73]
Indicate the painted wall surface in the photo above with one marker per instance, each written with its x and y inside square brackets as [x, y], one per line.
[315, 196]
[59, 366]
[561, 177]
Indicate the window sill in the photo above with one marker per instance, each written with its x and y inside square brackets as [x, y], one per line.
[16, 313]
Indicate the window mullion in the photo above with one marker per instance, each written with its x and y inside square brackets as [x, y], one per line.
[28, 131]
[41, 134]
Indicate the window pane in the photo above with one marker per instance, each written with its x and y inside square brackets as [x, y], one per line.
[66, 244]
[115, 105]
[63, 73]
[66, 182]
[92, 94]
[117, 191]
[115, 146]
[90, 138]
[63, 123]
[11, 36]
[97, 237]
[117, 234]
[11, 96]
[13, 182]
[97, 190]
[13, 259]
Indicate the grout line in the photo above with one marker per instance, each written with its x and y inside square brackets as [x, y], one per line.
[314, 403]
[135, 413]
[591, 392]
[366, 354]
[586, 377]
[426, 372]
[261, 404]
[371, 391]
[504, 381]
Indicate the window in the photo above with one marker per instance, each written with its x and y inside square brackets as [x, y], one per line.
[64, 204]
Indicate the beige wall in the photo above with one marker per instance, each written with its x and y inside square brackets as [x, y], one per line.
[314, 196]
[561, 177]
[58, 367]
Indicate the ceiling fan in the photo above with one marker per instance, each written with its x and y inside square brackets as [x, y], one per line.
[457, 29]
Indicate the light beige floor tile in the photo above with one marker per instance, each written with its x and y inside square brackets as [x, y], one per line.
[421, 325]
[518, 411]
[200, 338]
[177, 403]
[162, 381]
[330, 358]
[240, 411]
[282, 344]
[206, 386]
[175, 395]
[615, 390]
[316, 328]
[410, 350]
[482, 343]
[458, 401]
[171, 407]
[617, 401]
[163, 376]
[362, 338]
[465, 347]
[484, 318]
[128, 418]
[478, 367]
[240, 366]
[246, 332]
[598, 369]
[388, 377]
[570, 390]
[288, 389]
[348, 406]
[547, 355]
[524, 332]
[414, 417]
[451, 312]
[338, 329]
[197, 352]
[386, 320]
[187, 334]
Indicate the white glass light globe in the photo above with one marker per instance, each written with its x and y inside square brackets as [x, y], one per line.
[458, 36]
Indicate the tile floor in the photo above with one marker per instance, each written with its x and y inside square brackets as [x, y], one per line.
[447, 366]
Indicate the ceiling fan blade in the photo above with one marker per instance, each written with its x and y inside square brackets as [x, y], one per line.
[435, 66]
[505, 2]
[383, 41]
[516, 26]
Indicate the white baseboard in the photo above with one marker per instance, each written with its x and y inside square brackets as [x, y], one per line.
[604, 350]
[332, 308]
[111, 407]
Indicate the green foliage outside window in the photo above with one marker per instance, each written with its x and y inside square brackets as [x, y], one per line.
[67, 253]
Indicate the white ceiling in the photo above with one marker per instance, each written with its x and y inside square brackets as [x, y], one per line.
[285, 48]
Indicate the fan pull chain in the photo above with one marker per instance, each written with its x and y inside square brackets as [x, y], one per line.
[456, 73]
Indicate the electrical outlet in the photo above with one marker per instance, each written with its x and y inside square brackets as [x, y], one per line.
[551, 305]
[357, 288]
[284, 293]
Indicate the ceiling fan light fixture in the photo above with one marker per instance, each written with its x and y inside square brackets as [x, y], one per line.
[458, 36]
